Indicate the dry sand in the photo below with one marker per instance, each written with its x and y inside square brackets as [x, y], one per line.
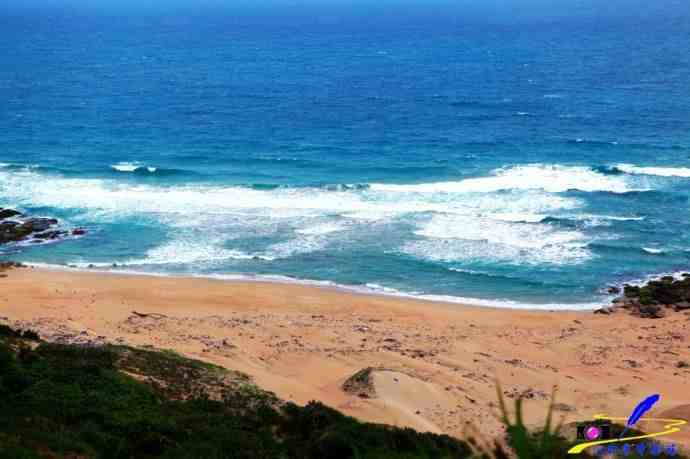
[438, 362]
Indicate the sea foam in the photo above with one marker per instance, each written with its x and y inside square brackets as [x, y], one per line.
[132, 167]
[658, 171]
[498, 218]
[505, 217]
[550, 178]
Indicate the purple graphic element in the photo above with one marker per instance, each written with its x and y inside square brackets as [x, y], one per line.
[592, 433]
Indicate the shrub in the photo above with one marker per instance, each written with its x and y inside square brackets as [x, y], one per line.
[69, 400]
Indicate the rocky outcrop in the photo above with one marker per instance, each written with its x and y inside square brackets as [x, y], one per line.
[8, 265]
[17, 227]
[656, 298]
[8, 213]
[361, 384]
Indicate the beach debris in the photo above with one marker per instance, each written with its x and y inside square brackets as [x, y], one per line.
[152, 315]
[391, 344]
[516, 363]
[632, 363]
[651, 312]
[563, 407]
[526, 394]
[682, 306]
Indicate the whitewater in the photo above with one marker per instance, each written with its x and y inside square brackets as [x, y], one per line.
[532, 218]
[507, 161]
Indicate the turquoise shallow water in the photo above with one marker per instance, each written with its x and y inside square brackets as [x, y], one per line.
[527, 159]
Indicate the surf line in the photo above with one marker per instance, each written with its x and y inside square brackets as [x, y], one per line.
[672, 426]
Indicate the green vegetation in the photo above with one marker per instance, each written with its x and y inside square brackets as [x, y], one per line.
[548, 443]
[664, 291]
[120, 402]
[361, 384]
[70, 401]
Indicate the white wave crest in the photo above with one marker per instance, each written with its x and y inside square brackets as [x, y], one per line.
[517, 217]
[125, 167]
[132, 167]
[323, 228]
[207, 220]
[550, 178]
[478, 251]
[455, 238]
[296, 246]
[185, 252]
[110, 196]
[658, 171]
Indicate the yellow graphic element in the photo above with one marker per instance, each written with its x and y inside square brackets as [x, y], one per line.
[671, 427]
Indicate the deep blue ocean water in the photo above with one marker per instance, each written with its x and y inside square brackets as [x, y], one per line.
[529, 156]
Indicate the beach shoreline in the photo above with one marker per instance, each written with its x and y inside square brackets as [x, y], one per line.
[435, 364]
[363, 289]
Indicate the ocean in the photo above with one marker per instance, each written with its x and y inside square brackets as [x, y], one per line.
[493, 155]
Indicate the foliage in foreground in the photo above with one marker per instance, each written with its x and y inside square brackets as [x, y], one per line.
[548, 443]
[69, 401]
[75, 401]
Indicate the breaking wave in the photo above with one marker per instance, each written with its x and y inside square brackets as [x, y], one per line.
[658, 171]
[550, 178]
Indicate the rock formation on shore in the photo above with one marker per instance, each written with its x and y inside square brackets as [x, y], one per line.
[653, 299]
[17, 227]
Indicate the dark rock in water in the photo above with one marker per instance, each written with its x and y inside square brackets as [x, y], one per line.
[78, 232]
[13, 233]
[8, 213]
[650, 300]
[7, 265]
[17, 231]
[50, 235]
[39, 224]
[613, 290]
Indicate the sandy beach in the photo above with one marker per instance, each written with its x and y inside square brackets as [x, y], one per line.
[435, 364]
